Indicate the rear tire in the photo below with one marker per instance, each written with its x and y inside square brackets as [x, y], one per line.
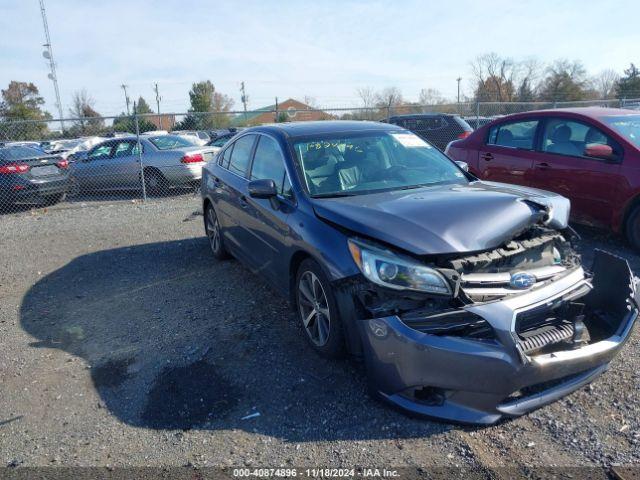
[154, 182]
[632, 227]
[317, 310]
[53, 199]
[214, 233]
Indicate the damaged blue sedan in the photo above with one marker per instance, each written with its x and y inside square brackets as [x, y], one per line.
[467, 300]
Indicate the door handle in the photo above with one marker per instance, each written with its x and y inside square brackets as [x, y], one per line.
[243, 202]
[543, 166]
[487, 157]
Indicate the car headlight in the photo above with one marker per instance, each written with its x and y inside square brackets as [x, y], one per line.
[395, 271]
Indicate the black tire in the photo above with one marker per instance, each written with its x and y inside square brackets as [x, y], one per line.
[154, 182]
[53, 199]
[74, 188]
[323, 332]
[212, 228]
[632, 227]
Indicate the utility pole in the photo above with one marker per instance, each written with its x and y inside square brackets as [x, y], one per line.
[126, 97]
[244, 98]
[458, 80]
[158, 98]
[48, 54]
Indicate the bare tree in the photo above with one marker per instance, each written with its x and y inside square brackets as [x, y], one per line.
[494, 78]
[389, 98]
[605, 83]
[527, 78]
[430, 96]
[310, 101]
[83, 110]
[367, 97]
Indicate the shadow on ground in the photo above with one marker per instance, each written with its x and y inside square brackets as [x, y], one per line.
[176, 340]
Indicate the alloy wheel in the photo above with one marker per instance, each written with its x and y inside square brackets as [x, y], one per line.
[314, 308]
[213, 230]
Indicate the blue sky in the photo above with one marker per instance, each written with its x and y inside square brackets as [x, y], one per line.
[324, 49]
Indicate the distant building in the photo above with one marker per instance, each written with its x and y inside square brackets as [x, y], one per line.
[164, 121]
[288, 111]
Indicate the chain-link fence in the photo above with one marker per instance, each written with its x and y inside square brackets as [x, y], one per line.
[127, 157]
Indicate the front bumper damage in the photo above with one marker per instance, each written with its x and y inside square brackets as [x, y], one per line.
[480, 380]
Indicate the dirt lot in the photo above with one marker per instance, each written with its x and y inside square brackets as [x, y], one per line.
[124, 343]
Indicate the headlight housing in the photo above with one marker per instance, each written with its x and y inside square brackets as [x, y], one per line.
[391, 270]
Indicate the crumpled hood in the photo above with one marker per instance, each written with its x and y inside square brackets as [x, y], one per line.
[445, 218]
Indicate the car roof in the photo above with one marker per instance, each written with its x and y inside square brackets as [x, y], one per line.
[590, 112]
[300, 129]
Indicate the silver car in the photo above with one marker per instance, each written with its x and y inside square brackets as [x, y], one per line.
[118, 164]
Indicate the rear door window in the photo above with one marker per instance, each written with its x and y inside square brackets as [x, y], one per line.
[241, 155]
[519, 135]
[101, 151]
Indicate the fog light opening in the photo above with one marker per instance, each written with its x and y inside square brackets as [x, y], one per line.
[432, 396]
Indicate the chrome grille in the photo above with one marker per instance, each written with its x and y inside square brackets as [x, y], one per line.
[492, 285]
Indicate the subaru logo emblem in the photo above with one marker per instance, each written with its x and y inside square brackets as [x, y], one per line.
[522, 280]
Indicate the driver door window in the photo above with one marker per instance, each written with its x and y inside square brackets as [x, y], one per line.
[570, 138]
[268, 163]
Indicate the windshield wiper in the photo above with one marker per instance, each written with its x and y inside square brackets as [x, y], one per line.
[410, 187]
[334, 195]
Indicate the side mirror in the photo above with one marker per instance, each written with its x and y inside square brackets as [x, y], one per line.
[598, 150]
[463, 165]
[263, 189]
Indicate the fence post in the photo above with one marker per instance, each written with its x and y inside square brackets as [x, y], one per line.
[139, 147]
[477, 115]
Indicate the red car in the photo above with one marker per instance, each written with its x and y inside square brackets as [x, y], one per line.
[590, 155]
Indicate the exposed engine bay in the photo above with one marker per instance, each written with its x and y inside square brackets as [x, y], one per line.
[533, 259]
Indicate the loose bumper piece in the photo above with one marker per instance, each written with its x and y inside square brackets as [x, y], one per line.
[479, 381]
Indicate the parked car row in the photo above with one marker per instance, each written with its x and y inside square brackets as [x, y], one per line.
[466, 299]
[590, 155]
[29, 175]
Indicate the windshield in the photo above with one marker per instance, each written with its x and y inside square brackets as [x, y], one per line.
[627, 125]
[19, 153]
[167, 142]
[367, 162]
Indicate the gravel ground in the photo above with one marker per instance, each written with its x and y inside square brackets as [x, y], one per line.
[125, 344]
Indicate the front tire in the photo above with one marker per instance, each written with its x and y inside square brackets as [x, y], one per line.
[317, 310]
[632, 228]
[214, 233]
